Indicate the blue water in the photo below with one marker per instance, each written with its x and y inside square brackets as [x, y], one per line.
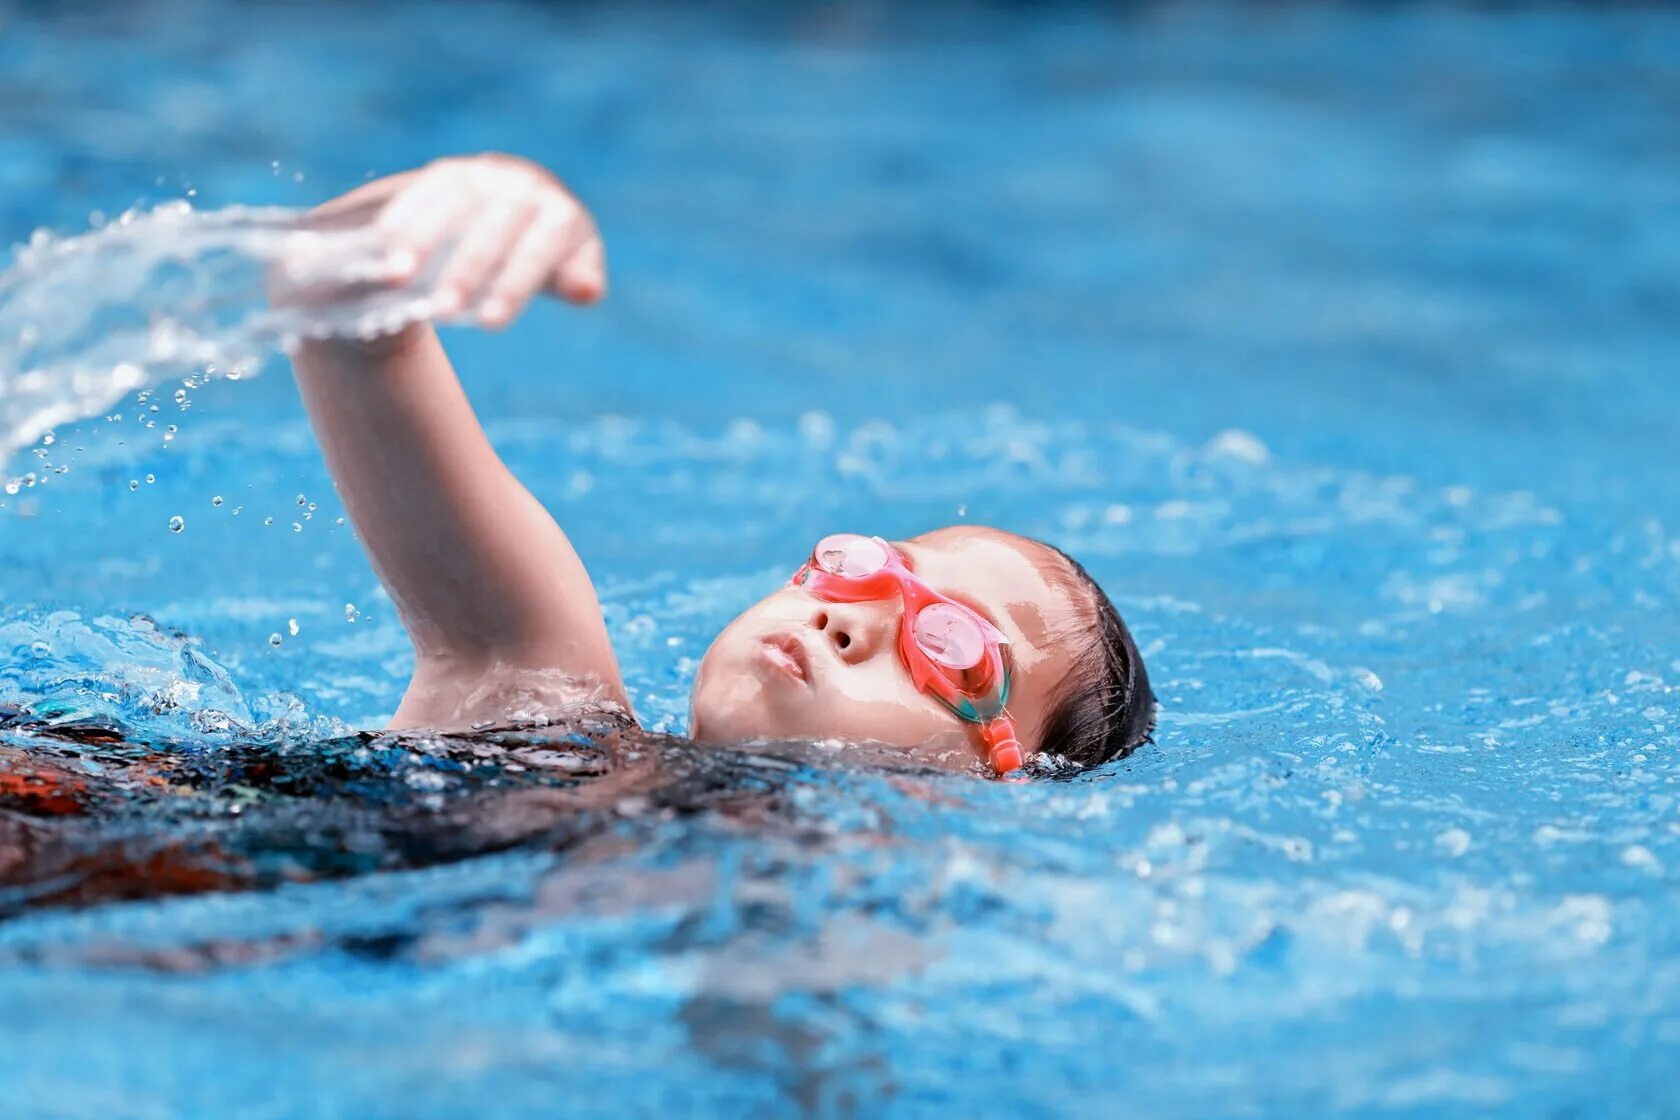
[1338, 343]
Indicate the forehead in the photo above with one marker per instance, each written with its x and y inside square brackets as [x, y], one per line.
[1004, 577]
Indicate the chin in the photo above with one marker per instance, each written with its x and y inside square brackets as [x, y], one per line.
[726, 704]
[705, 725]
[727, 722]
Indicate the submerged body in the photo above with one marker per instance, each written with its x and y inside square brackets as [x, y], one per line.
[90, 813]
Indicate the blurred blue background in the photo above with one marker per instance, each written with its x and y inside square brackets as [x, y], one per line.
[1338, 341]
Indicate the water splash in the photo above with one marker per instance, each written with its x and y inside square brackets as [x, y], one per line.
[144, 678]
[86, 320]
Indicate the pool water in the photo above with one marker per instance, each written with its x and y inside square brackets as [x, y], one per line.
[1337, 343]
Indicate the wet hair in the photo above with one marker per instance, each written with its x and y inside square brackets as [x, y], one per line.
[1104, 708]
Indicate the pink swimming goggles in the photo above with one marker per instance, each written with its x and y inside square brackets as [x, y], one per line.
[953, 654]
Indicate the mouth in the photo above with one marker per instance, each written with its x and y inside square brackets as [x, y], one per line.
[786, 653]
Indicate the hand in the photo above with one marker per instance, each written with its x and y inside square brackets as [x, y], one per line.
[496, 229]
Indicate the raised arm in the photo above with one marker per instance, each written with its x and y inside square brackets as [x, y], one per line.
[504, 620]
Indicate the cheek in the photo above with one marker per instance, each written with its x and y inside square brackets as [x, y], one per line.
[877, 702]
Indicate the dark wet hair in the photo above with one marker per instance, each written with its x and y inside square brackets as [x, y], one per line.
[1105, 707]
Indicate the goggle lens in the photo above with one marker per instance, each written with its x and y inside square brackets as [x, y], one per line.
[949, 636]
[850, 555]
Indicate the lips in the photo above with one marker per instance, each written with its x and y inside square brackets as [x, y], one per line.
[786, 653]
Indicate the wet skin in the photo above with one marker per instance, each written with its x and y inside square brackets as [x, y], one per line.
[794, 666]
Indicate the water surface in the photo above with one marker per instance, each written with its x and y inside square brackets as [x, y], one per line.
[1337, 343]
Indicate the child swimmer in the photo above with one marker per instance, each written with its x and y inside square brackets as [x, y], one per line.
[961, 644]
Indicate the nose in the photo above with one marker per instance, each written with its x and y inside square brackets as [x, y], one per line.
[857, 631]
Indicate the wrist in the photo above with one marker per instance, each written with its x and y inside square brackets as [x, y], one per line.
[377, 348]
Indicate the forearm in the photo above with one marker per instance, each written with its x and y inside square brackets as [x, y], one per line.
[470, 558]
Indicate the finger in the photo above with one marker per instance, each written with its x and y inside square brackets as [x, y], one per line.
[422, 219]
[553, 235]
[420, 194]
[583, 276]
[481, 251]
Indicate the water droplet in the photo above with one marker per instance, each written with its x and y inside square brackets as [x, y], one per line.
[274, 639]
[151, 478]
[268, 521]
[297, 527]
[177, 523]
[216, 501]
[134, 484]
[292, 627]
[350, 612]
[302, 501]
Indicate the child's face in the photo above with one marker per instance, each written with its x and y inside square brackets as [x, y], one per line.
[794, 666]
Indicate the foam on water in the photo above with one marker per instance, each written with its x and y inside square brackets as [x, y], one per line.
[134, 674]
